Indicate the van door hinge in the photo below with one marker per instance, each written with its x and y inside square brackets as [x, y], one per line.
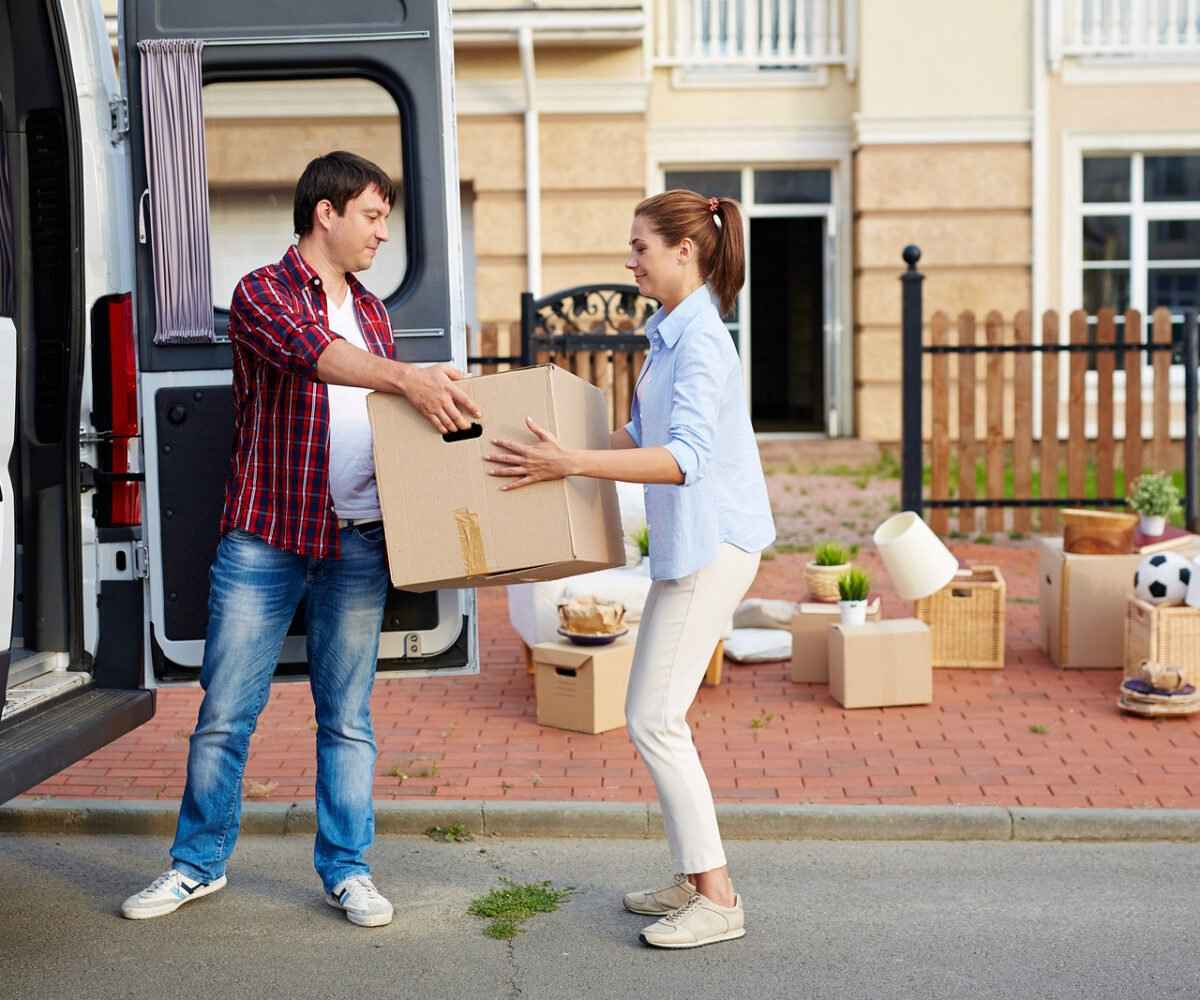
[118, 111]
[141, 561]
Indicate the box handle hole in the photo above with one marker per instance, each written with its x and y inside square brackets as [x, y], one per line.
[474, 431]
[566, 672]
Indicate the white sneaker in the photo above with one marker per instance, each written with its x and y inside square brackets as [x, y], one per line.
[166, 894]
[660, 902]
[363, 903]
[699, 922]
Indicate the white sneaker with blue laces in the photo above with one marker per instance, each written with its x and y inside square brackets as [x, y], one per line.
[166, 894]
[363, 904]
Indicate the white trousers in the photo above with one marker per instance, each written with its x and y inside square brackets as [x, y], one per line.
[681, 624]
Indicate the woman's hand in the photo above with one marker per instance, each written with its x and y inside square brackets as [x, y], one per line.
[540, 462]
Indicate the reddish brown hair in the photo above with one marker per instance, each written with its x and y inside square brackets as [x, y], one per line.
[678, 215]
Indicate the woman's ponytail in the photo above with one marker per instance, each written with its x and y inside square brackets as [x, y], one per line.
[728, 270]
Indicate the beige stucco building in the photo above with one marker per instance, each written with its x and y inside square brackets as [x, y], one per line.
[1044, 154]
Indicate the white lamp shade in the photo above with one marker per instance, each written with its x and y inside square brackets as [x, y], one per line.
[914, 557]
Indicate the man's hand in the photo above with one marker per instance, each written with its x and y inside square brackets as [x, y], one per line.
[433, 394]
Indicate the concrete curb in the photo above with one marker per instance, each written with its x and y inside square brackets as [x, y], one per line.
[616, 819]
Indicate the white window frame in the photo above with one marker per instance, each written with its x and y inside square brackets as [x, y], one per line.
[828, 211]
[1077, 146]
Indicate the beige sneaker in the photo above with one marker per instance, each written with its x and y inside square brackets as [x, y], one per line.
[699, 922]
[659, 902]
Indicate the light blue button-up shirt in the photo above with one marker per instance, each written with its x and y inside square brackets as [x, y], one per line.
[689, 400]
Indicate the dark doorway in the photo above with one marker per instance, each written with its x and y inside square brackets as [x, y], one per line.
[787, 315]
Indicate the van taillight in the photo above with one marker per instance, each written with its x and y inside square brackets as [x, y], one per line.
[125, 506]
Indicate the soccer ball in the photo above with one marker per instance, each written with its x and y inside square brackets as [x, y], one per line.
[1162, 578]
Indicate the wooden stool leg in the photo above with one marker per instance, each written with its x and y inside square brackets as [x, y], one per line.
[528, 659]
[712, 676]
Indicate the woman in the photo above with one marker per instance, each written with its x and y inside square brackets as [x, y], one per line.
[691, 441]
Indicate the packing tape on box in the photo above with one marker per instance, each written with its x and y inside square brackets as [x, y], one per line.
[470, 541]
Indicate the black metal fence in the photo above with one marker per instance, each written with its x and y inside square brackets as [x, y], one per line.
[583, 318]
[914, 349]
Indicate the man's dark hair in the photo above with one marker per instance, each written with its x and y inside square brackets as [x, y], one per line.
[339, 177]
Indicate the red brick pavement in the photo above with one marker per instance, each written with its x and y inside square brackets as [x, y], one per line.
[478, 738]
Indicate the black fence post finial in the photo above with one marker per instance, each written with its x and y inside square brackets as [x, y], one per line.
[911, 322]
[1191, 358]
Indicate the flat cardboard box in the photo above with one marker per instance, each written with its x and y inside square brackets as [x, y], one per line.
[810, 639]
[881, 663]
[582, 688]
[446, 521]
[1083, 600]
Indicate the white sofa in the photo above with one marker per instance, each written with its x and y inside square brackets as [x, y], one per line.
[533, 607]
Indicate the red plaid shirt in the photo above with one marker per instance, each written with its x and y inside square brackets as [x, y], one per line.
[278, 486]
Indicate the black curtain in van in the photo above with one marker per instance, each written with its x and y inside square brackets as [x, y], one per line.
[7, 264]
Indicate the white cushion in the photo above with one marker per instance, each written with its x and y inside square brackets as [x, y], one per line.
[757, 612]
[757, 645]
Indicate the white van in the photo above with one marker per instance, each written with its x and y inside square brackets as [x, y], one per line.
[114, 448]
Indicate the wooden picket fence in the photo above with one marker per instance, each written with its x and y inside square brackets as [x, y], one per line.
[613, 372]
[959, 446]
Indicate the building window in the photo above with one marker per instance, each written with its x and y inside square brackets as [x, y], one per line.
[1140, 243]
[260, 135]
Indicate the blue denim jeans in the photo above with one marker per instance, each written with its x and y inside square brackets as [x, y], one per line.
[253, 594]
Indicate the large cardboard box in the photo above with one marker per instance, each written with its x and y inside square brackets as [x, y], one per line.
[810, 639]
[1083, 602]
[881, 663]
[582, 688]
[447, 522]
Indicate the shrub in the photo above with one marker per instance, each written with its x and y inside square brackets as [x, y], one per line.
[830, 554]
[854, 586]
[1154, 494]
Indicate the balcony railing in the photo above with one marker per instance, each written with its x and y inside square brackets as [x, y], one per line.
[755, 34]
[1129, 30]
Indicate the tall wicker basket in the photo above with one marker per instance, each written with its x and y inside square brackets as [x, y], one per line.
[966, 620]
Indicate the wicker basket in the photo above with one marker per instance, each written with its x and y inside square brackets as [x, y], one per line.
[966, 619]
[822, 581]
[1166, 636]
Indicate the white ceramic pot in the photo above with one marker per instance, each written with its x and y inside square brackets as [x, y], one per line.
[914, 557]
[1152, 525]
[853, 612]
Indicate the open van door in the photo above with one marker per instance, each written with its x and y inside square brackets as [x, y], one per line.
[8, 525]
[282, 83]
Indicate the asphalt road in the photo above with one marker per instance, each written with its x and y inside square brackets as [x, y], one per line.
[825, 920]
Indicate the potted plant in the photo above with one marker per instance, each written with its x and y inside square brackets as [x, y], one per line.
[830, 560]
[1155, 497]
[853, 588]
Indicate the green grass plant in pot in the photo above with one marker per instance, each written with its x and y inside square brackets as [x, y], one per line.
[853, 589]
[1155, 497]
[830, 561]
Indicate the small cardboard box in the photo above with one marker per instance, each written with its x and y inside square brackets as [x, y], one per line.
[881, 663]
[810, 640]
[446, 521]
[582, 688]
[1083, 602]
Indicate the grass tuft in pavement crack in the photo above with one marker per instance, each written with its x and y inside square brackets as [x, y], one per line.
[511, 905]
[455, 833]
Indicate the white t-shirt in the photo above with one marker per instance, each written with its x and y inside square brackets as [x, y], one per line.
[351, 458]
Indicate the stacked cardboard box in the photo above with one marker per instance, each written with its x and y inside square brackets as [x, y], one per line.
[811, 625]
[582, 688]
[881, 663]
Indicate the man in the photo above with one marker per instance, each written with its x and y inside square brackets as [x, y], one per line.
[302, 519]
